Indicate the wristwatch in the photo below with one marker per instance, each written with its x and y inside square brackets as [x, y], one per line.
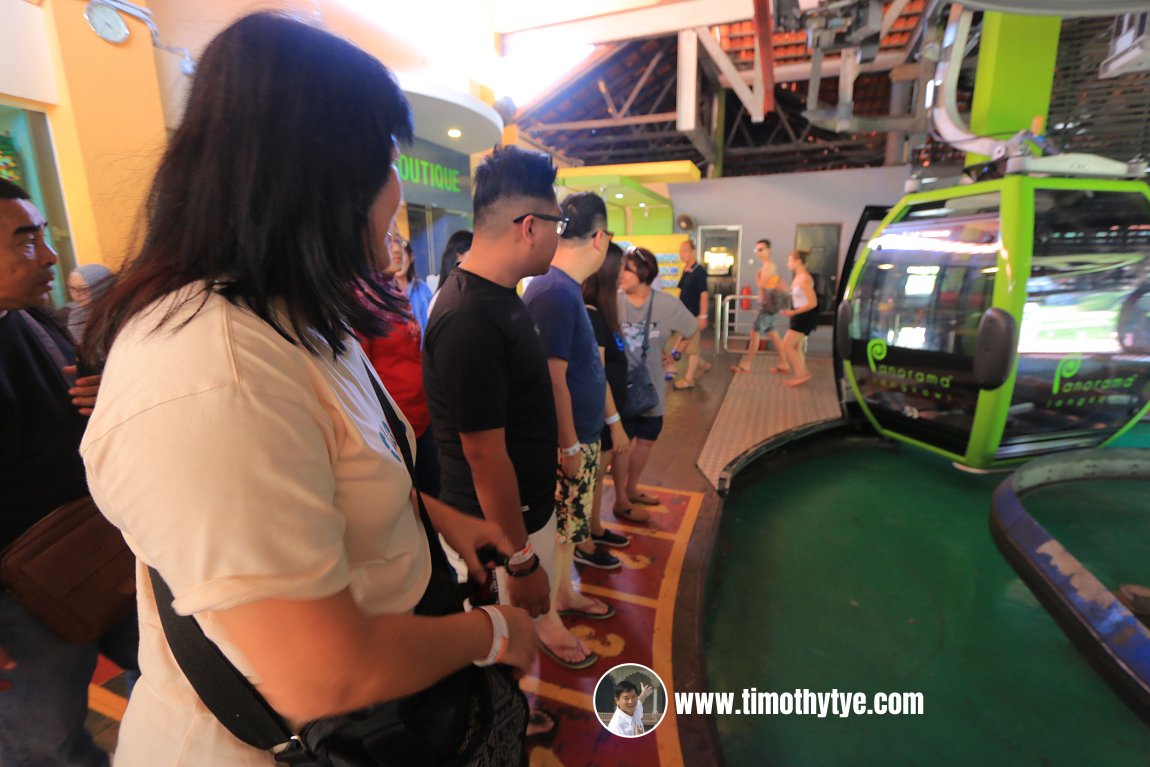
[676, 355]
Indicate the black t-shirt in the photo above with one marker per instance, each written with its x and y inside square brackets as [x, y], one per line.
[614, 358]
[484, 367]
[692, 285]
[40, 428]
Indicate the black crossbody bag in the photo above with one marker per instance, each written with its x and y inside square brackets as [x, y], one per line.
[449, 724]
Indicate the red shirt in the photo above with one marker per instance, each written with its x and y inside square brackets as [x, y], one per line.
[397, 359]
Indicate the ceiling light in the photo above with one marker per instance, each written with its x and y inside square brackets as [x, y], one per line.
[454, 132]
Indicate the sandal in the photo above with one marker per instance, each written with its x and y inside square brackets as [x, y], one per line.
[644, 498]
[608, 612]
[574, 665]
[739, 369]
[632, 514]
[784, 371]
[543, 722]
[683, 383]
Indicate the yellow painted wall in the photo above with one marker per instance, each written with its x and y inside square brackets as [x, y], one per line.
[108, 129]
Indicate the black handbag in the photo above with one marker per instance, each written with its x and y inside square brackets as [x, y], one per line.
[641, 394]
[446, 724]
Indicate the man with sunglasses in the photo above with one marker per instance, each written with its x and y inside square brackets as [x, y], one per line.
[486, 374]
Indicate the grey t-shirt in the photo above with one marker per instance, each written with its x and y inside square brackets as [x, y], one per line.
[668, 315]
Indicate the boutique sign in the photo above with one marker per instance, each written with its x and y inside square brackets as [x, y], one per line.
[433, 175]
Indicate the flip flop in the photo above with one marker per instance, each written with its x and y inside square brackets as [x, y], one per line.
[632, 514]
[609, 613]
[644, 498]
[739, 369]
[545, 722]
[574, 665]
[683, 383]
[784, 371]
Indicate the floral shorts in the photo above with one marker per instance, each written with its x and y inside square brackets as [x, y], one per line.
[574, 497]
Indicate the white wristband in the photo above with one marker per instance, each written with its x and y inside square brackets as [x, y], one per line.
[522, 556]
[612, 419]
[570, 451]
[500, 636]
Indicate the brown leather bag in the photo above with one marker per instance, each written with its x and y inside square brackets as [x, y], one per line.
[73, 571]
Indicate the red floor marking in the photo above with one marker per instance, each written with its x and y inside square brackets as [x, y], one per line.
[105, 670]
[652, 564]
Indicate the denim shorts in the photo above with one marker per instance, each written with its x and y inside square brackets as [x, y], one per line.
[765, 323]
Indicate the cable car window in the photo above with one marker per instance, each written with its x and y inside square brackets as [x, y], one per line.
[914, 329]
[1084, 336]
[954, 207]
[927, 285]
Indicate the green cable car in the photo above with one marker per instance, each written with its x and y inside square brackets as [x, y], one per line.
[1005, 319]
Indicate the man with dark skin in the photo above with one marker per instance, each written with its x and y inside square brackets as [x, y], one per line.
[43, 413]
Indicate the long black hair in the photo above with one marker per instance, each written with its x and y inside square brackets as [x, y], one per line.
[600, 289]
[457, 244]
[265, 189]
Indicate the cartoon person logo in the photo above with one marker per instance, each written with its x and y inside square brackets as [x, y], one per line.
[630, 700]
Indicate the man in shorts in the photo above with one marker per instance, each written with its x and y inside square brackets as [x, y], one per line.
[578, 385]
[772, 299]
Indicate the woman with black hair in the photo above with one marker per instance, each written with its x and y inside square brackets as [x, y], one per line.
[458, 244]
[406, 278]
[599, 292]
[239, 442]
[649, 319]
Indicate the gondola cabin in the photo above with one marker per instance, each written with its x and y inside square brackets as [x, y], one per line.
[1005, 319]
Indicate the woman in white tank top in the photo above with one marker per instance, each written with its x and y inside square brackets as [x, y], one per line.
[804, 317]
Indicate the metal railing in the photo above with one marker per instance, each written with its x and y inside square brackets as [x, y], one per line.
[734, 321]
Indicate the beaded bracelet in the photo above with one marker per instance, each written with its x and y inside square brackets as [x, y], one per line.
[525, 571]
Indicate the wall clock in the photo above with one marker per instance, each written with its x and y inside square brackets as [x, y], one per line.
[106, 22]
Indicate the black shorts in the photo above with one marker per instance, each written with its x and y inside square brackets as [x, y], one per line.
[806, 322]
[643, 427]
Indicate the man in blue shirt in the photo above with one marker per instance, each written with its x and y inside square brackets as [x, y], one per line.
[579, 386]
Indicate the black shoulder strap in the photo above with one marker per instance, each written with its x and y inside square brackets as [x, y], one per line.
[647, 325]
[399, 432]
[224, 690]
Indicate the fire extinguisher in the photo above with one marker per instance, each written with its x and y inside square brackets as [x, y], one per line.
[746, 302]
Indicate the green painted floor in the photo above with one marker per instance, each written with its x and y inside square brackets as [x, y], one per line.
[858, 566]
